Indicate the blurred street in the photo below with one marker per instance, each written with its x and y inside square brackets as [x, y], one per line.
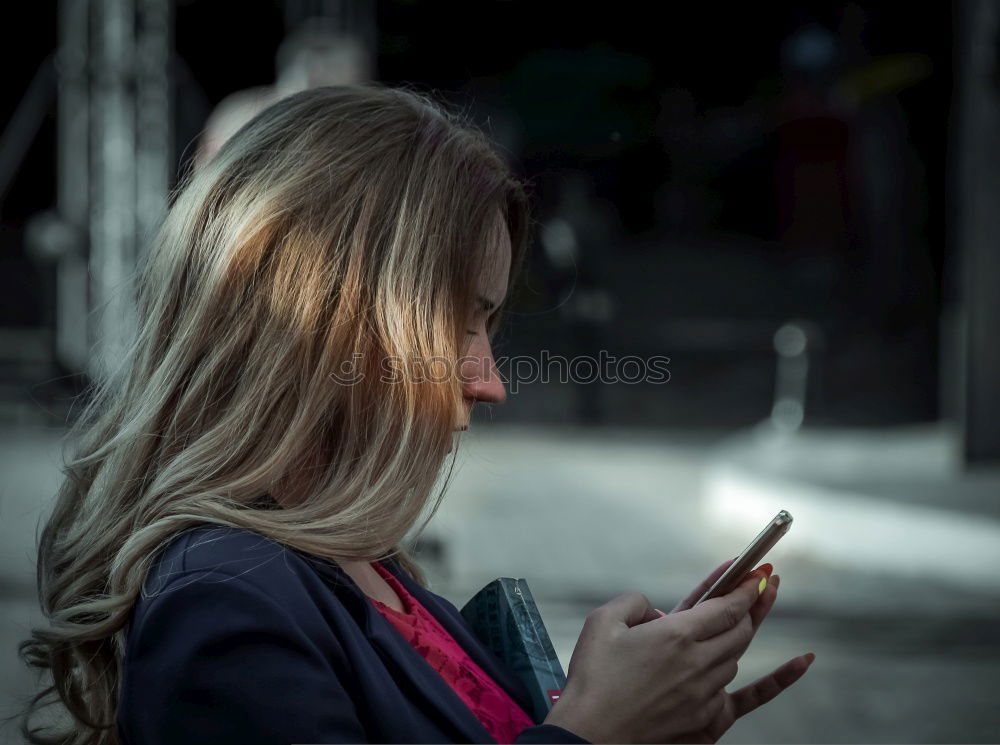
[906, 637]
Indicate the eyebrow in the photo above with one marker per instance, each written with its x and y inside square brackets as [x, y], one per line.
[486, 303]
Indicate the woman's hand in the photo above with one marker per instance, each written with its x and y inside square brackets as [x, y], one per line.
[747, 699]
[636, 676]
[762, 690]
[700, 590]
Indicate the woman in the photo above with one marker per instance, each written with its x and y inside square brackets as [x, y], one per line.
[225, 560]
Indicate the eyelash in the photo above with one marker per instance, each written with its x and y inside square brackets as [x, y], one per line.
[470, 332]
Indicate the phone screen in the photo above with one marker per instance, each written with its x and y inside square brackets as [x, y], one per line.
[747, 561]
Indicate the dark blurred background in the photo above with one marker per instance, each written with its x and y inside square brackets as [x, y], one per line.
[704, 173]
[795, 203]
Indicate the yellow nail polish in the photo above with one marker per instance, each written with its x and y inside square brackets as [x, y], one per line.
[762, 585]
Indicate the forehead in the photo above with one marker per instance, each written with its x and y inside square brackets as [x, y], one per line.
[498, 254]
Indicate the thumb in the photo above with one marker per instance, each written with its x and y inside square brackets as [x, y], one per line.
[633, 608]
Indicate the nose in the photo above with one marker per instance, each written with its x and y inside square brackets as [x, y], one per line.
[481, 380]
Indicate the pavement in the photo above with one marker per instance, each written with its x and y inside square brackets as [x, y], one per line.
[887, 572]
[30, 468]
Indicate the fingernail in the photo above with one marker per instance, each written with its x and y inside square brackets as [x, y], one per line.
[662, 614]
[762, 585]
[775, 581]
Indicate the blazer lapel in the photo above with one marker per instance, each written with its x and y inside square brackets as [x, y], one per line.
[455, 624]
[424, 684]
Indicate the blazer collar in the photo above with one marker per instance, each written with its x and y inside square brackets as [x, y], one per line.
[411, 668]
[456, 625]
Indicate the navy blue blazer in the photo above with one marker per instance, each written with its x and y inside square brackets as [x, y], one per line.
[239, 639]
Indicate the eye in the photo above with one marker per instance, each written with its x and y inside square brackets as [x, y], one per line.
[482, 309]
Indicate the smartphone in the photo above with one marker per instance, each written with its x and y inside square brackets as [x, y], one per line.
[748, 560]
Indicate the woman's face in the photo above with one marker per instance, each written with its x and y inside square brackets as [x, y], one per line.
[480, 379]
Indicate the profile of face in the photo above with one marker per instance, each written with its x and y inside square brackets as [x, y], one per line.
[481, 381]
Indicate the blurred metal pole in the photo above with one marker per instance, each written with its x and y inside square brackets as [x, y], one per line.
[113, 221]
[977, 47]
[130, 156]
[73, 182]
[154, 112]
[793, 342]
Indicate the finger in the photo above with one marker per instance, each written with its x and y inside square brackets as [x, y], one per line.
[763, 690]
[717, 615]
[720, 675]
[628, 608]
[728, 646]
[701, 589]
[764, 603]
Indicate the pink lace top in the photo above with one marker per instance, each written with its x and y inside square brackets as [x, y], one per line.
[499, 714]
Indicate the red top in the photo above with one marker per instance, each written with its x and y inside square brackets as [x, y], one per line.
[491, 704]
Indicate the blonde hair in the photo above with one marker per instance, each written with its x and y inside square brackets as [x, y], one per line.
[341, 225]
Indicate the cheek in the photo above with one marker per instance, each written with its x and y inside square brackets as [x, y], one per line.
[476, 359]
[478, 346]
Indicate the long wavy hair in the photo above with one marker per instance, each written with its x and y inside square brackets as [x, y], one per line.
[340, 227]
